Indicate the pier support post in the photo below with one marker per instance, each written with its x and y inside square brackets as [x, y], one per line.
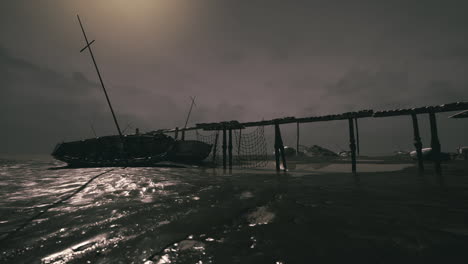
[215, 146]
[224, 147]
[279, 149]
[183, 135]
[418, 144]
[239, 143]
[435, 145]
[230, 149]
[277, 153]
[357, 135]
[352, 147]
[176, 133]
[297, 139]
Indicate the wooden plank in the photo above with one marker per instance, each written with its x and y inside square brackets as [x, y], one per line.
[343, 116]
[458, 106]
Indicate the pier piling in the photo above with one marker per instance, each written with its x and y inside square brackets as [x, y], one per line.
[352, 146]
[418, 144]
[357, 136]
[230, 149]
[224, 147]
[239, 144]
[297, 139]
[435, 145]
[279, 149]
[215, 146]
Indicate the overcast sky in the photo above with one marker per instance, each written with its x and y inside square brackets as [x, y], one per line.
[243, 59]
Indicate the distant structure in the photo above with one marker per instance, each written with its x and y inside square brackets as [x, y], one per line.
[318, 151]
[462, 151]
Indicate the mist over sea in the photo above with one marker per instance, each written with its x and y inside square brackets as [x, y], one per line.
[203, 215]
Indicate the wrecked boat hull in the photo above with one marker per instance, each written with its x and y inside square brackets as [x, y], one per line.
[130, 151]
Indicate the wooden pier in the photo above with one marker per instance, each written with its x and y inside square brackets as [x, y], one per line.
[352, 117]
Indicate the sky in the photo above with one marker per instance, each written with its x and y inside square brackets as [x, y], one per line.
[244, 60]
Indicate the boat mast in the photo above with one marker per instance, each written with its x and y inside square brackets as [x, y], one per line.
[190, 111]
[188, 116]
[88, 46]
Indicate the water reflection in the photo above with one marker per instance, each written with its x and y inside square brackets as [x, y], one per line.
[141, 214]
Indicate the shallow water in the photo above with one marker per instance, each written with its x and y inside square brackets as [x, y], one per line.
[180, 215]
[124, 215]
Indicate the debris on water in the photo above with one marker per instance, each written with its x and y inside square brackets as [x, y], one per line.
[191, 244]
[254, 242]
[261, 216]
[246, 195]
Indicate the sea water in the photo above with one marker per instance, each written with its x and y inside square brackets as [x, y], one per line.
[128, 215]
[198, 215]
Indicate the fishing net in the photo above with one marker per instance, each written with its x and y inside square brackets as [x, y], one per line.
[211, 139]
[249, 150]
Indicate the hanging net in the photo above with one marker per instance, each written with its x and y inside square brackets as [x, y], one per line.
[249, 150]
[215, 143]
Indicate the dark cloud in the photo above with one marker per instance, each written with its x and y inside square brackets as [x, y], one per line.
[244, 60]
[40, 107]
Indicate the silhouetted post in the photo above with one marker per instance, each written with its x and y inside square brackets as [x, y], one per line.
[239, 146]
[224, 147]
[283, 156]
[230, 149]
[297, 139]
[176, 133]
[418, 144]
[435, 145]
[215, 146]
[279, 148]
[352, 146]
[188, 116]
[357, 135]
[277, 153]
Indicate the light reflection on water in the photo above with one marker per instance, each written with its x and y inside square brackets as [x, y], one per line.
[152, 215]
[116, 210]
